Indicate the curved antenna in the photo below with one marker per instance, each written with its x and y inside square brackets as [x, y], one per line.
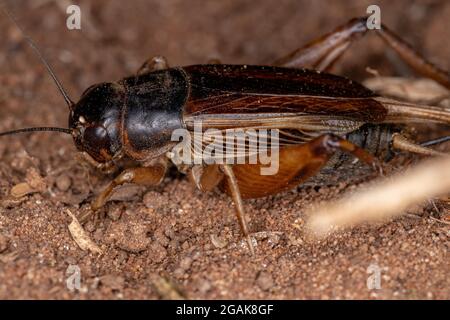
[54, 129]
[41, 57]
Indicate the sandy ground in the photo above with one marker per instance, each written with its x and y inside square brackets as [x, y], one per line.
[175, 232]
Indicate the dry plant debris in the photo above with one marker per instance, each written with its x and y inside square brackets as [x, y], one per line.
[386, 199]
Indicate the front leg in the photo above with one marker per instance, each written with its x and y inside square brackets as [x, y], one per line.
[148, 176]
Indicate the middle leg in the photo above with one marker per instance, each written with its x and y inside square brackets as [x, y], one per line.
[237, 199]
[297, 163]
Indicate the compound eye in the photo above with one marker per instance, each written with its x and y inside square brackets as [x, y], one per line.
[97, 142]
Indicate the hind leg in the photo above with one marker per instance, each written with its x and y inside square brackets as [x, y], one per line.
[323, 52]
[296, 164]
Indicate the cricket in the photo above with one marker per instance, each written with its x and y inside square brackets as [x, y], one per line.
[323, 121]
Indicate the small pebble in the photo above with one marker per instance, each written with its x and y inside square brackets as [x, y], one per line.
[185, 264]
[63, 182]
[160, 237]
[154, 200]
[115, 213]
[264, 280]
[204, 286]
[157, 252]
[122, 257]
[185, 245]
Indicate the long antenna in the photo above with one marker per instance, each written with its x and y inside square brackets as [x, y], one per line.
[63, 130]
[40, 56]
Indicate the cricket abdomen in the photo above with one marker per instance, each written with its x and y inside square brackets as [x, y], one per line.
[375, 139]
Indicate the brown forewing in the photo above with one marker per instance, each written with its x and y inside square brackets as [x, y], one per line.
[243, 95]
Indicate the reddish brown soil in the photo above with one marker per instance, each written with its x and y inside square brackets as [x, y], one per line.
[174, 230]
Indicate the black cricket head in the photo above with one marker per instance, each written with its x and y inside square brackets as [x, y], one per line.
[94, 121]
